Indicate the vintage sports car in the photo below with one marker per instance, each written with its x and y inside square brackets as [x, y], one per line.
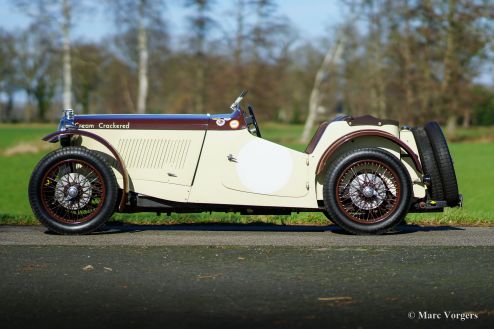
[365, 174]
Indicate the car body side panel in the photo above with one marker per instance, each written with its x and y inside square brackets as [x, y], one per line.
[419, 188]
[258, 173]
[262, 167]
[154, 157]
[338, 129]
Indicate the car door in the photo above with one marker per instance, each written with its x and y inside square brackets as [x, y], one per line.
[256, 165]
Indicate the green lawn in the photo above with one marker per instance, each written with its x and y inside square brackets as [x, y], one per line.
[474, 165]
[13, 134]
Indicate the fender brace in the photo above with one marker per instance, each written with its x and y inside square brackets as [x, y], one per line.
[54, 137]
[366, 133]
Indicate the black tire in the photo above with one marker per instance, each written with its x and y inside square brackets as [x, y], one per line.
[390, 195]
[444, 163]
[429, 164]
[73, 191]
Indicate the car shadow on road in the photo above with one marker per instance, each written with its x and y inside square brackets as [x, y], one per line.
[118, 227]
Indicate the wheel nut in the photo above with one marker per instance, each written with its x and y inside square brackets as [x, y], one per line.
[72, 191]
[368, 191]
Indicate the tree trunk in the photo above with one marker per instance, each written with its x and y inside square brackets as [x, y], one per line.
[451, 125]
[239, 76]
[199, 85]
[381, 87]
[333, 55]
[127, 96]
[449, 105]
[143, 61]
[377, 78]
[67, 70]
[408, 68]
[312, 116]
[467, 118]
[9, 107]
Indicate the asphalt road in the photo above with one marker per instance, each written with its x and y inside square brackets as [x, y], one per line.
[247, 277]
[250, 235]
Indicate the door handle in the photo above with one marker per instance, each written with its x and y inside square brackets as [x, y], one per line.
[231, 158]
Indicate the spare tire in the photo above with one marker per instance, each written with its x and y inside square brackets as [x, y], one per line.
[444, 163]
[429, 163]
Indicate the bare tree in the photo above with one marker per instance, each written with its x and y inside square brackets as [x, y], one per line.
[239, 42]
[139, 16]
[8, 74]
[270, 38]
[36, 67]
[88, 63]
[333, 55]
[201, 23]
[450, 68]
[143, 60]
[45, 12]
[67, 70]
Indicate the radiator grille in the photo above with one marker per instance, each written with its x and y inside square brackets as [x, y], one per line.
[154, 153]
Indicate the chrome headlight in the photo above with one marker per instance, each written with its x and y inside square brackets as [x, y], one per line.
[67, 120]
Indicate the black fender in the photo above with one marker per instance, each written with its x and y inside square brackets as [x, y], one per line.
[366, 133]
[55, 137]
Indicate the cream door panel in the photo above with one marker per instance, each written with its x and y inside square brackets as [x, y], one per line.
[215, 172]
[262, 167]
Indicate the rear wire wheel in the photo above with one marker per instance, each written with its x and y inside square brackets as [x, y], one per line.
[367, 191]
[73, 191]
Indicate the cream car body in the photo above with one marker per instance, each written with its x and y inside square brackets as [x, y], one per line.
[194, 163]
[232, 167]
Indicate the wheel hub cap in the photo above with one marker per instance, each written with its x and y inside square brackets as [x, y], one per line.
[73, 191]
[367, 191]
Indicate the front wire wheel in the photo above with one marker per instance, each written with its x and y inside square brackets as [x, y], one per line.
[367, 191]
[73, 191]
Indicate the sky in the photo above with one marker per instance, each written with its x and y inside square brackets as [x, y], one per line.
[312, 18]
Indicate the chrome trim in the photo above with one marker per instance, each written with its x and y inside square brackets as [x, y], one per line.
[67, 120]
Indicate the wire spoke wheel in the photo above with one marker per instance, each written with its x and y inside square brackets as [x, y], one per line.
[368, 191]
[73, 191]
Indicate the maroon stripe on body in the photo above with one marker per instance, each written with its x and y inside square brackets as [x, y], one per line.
[152, 124]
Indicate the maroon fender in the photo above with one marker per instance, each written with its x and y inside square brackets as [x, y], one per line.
[366, 133]
[53, 137]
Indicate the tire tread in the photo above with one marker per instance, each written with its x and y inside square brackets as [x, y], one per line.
[444, 162]
[428, 160]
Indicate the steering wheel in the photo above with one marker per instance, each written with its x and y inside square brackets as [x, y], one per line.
[253, 121]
